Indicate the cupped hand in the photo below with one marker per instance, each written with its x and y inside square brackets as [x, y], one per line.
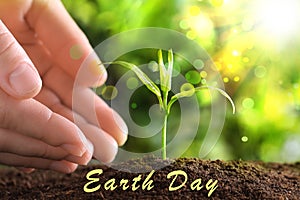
[41, 52]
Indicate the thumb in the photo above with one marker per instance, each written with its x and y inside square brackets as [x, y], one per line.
[18, 76]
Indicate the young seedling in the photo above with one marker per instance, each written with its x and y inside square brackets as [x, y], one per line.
[165, 87]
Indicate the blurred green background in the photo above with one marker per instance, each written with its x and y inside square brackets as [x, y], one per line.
[255, 46]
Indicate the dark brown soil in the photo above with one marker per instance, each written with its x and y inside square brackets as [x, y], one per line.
[235, 180]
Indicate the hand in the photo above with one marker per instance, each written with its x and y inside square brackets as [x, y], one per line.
[37, 128]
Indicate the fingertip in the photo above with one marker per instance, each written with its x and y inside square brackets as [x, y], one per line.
[86, 157]
[122, 139]
[71, 168]
[76, 150]
[102, 77]
[80, 145]
[24, 81]
[63, 166]
[19, 77]
[112, 123]
[90, 147]
[109, 154]
[26, 170]
[107, 158]
[84, 160]
[92, 73]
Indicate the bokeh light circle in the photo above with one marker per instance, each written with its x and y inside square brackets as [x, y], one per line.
[132, 83]
[260, 71]
[193, 77]
[109, 92]
[248, 103]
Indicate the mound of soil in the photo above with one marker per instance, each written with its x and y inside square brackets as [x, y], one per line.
[182, 179]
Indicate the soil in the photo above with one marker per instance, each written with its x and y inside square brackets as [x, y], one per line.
[232, 179]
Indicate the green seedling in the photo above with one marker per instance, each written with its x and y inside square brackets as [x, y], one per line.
[165, 87]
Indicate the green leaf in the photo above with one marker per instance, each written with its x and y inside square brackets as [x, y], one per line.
[222, 92]
[186, 90]
[165, 74]
[162, 71]
[141, 75]
[170, 70]
[188, 93]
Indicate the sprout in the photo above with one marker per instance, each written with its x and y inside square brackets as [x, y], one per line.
[187, 90]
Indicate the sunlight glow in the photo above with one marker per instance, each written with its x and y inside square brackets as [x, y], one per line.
[277, 17]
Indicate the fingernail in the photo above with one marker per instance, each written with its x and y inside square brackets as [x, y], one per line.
[108, 157]
[120, 122]
[26, 170]
[122, 126]
[81, 148]
[109, 149]
[74, 149]
[90, 147]
[24, 80]
[97, 69]
[60, 167]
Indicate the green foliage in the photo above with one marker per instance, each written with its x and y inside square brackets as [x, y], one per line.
[260, 70]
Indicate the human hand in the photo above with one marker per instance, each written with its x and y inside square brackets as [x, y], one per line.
[40, 132]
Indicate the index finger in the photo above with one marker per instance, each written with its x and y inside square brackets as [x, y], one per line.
[66, 43]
